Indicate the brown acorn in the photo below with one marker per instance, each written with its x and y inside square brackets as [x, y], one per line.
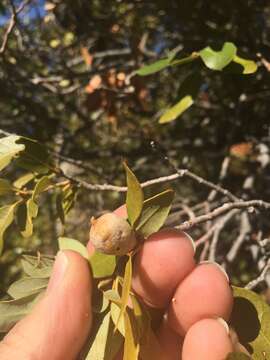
[111, 234]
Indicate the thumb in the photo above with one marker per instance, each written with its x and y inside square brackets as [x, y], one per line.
[59, 324]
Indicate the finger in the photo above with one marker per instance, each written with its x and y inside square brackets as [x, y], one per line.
[164, 260]
[171, 343]
[208, 339]
[59, 324]
[204, 293]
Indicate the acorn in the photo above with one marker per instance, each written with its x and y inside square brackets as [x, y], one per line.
[112, 234]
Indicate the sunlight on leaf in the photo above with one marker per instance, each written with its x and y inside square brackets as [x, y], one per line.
[6, 218]
[40, 267]
[31, 213]
[176, 110]
[27, 286]
[102, 265]
[134, 199]
[74, 245]
[126, 289]
[23, 180]
[131, 345]
[249, 66]
[218, 60]
[9, 149]
[155, 67]
[14, 310]
[155, 212]
[41, 185]
[115, 313]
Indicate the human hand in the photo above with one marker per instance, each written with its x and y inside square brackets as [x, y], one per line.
[165, 276]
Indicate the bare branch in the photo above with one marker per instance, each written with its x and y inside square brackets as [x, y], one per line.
[218, 229]
[249, 205]
[244, 230]
[253, 283]
[191, 175]
[12, 24]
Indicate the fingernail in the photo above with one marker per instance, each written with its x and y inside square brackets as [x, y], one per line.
[191, 240]
[223, 323]
[219, 266]
[59, 269]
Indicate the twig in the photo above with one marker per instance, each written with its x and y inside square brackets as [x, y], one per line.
[250, 205]
[12, 24]
[191, 175]
[222, 175]
[218, 229]
[110, 187]
[253, 283]
[244, 230]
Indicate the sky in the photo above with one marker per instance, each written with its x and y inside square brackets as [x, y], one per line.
[35, 8]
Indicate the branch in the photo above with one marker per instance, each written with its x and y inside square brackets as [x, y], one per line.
[253, 283]
[218, 229]
[12, 24]
[244, 230]
[110, 187]
[185, 172]
[250, 205]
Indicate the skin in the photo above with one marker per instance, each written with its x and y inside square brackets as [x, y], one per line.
[59, 324]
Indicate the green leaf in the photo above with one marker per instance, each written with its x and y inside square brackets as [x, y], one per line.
[5, 187]
[115, 313]
[131, 345]
[35, 157]
[155, 212]
[9, 149]
[102, 265]
[251, 321]
[249, 66]
[185, 60]
[27, 286]
[126, 289]
[113, 296]
[23, 180]
[41, 185]
[14, 310]
[71, 244]
[104, 343]
[189, 89]
[40, 267]
[31, 213]
[6, 218]
[65, 200]
[218, 60]
[176, 110]
[238, 356]
[134, 199]
[142, 317]
[100, 302]
[155, 67]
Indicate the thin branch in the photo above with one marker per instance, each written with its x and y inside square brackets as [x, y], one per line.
[253, 283]
[12, 24]
[244, 230]
[191, 175]
[218, 229]
[249, 205]
[110, 187]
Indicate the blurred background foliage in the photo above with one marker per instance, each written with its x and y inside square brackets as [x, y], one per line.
[67, 80]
